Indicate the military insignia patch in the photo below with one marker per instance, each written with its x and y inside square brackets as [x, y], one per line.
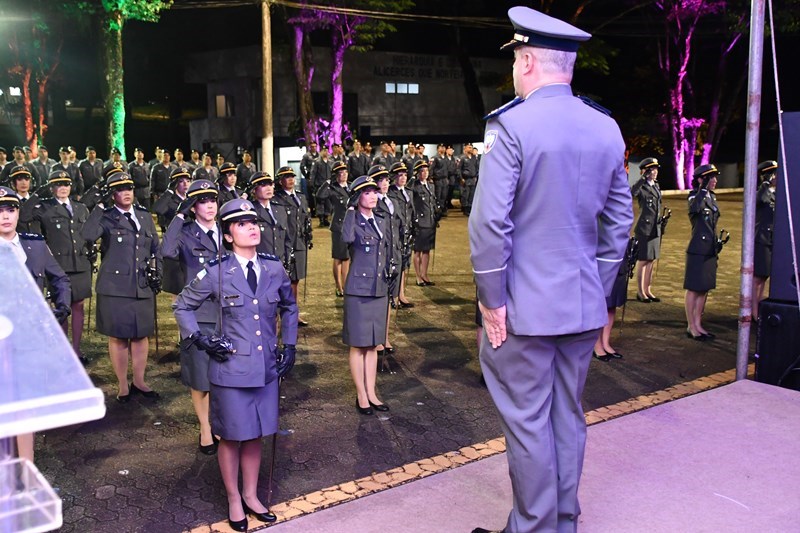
[489, 140]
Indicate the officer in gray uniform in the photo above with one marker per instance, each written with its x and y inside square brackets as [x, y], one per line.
[703, 250]
[765, 218]
[366, 289]
[273, 221]
[91, 168]
[166, 207]
[43, 164]
[193, 239]
[252, 291]
[468, 168]
[70, 168]
[403, 199]
[544, 264]
[244, 170]
[227, 183]
[440, 172]
[61, 222]
[335, 196]
[425, 222]
[139, 171]
[306, 165]
[127, 282]
[648, 227]
[19, 161]
[321, 172]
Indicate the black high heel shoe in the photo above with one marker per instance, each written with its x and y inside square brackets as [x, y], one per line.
[238, 525]
[363, 410]
[654, 299]
[692, 336]
[643, 300]
[153, 395]
[604, 358]
[382, 407]
[266, 516]
[209, 449]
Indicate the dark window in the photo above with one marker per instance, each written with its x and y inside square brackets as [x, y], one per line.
[322, 105]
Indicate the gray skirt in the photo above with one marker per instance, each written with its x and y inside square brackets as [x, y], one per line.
[339, 248]
[125, 318]
[649, 249]
[174, 279]
[701, 273]
[364, 320]
[425, 239]
[762, 260]
[619, 294]
[244, 413]
[81, 285]
[194, 363]
[299, 269]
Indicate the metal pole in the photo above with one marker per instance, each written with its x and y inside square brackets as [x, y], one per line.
[750, 161]
[267, 163]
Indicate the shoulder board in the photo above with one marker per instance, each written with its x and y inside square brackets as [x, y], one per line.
[503, 108]
[217, 260]
[140, 208]
[594, 105]
[31, 237]
[269, 257]
[378, 213]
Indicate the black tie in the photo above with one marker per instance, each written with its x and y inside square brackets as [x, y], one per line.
[251, 277]
[130, 219]
[271, 216]
[296, 200]
[375, 227]
[210, 234]
[69, 208]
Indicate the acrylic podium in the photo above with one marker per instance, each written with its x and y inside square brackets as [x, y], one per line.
[42, 386]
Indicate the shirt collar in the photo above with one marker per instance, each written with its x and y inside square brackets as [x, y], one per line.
[123, 211]
[548, 85]
[243, 262]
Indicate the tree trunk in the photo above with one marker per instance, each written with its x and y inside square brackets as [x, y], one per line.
[337, 112]
[114, 93]
[302, 61]
[27, 108]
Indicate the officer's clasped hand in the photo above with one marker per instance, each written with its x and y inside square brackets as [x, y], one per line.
[61, 313]
[216, 346]
[286, 358]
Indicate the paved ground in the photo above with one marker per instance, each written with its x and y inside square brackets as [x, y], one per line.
[138, 469]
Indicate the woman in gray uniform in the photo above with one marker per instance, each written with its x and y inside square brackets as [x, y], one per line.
[425, 223]
[366, 291]
[386, 209]
[336, 195]
[403, 199]
[127, 282]
[246, 366]
[701, 255]
[61, 221]
[192, 240]
[648, 227]
[765, 216]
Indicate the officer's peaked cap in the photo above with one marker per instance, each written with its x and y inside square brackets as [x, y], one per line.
[533, 28]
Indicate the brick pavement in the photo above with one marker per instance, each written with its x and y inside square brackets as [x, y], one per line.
[138, 469]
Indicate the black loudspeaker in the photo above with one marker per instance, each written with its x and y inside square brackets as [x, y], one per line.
[778, 345]
[783, 285]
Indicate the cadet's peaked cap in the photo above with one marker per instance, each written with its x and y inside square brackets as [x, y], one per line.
[202, 188]
[420, 164]
[361, 184]
[376, 172]
[260, 178]
[119, 179]
[112, 168]
[398, 167]
[18, 149]
[225, 168]
[8, 197]
[533, 28]
[43, 147]
[3, 150]
[705, 170]
[285, 172]
[767, 166]
[59, 177]
[178, 173]
[90, 149]
[115, 151]
[19, 172]
[649, 162]
[339, 165]
[237, 209]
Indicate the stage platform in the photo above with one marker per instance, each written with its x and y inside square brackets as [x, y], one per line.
[723, 460]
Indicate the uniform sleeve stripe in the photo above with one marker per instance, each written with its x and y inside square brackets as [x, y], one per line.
[489, 271]
[610, 260]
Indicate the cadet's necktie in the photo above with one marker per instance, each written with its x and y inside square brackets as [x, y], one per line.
[210, 234]
[389, 205]
[405, 195]
[296, 200]
[271, 216]
[251, 277]
[69, 208]
[132, 222]
[375, 227]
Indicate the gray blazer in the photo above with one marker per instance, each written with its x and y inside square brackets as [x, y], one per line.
[249, 319]
[369, 255]
[551, 215]
[649, 198]
[274, 234]
[62, 232]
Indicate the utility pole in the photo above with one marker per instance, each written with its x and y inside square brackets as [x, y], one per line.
[267, 163]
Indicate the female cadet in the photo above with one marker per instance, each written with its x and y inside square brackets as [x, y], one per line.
[366, 291]
[425, 223]
[336, 195]
[403, 199]
[386, 209]
[127, 282]
[227, 183]
[192, 240]
[166, 207]
[245, 369]
[648, 227]
[701, 255]
[273, 221]
[765, 216]
[619, 295]
[61, 221]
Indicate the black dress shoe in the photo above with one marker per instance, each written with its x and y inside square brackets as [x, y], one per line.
[339, 294]
[266, 516]
[301, 323]
[394, 305]
[382, 407]
[615, 355]
[381, 353]
[124, 399]
[421, 284]
[643, 300]
[238, 525]
[429, 283]
[604, 358]
[153, 395]
[210, 449]
[389, 351]
[654, 299]
[695, 337]
[406, 305]
[709, 336]
[363, 410]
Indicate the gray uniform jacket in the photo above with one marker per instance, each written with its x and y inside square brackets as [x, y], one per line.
[297, 216]
[321, 172]
[405, 206]
[74, 173]
[226, 195]
[62, 232]
[357, 165]
[424, 204]
[369, 255]
[203, 173]
[248, 318]
[91, 172]
[551, 215]
[468, 168]
[649, 198]
[125, 252]
[167, 205]
[765, 214]
[159, 177]
[703, 214]
[306, 163]
[274, 233]
[397, 229]
[193, 249]
[45, 270]
[336, 196]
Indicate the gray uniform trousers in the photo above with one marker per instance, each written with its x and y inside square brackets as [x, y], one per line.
[543, 423]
